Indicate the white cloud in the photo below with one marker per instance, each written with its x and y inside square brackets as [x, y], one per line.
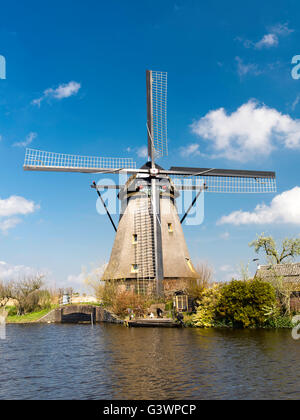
[191, 149]
[61, 92]
[227, 273]
[15, 272]
[252, 130]
[29, 139]
[267, 41]
[142, 152]
[281, 29]
[284, 208]
[15, 205]
[10, 223]
[244, 69]
[270, 39]
[86, 278]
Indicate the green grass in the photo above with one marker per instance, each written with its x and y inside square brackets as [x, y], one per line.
[32, 317]
[35, 316]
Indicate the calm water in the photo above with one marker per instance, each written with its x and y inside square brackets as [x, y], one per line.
[113, 362]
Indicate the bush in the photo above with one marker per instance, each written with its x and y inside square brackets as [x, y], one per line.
[243, 303]
[206, 311]
[11, 310]
[169, 306]
[125, 300]
[275, 318]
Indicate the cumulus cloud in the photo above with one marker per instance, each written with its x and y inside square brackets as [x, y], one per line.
[29, 139]
[284, 208]
[190, 150]
[270, 39]
[252, 130]
[61, 92]
[14, 206]
[267, 41]
[15, 272]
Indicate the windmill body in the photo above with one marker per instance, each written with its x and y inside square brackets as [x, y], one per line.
[150, 254]
[133, 259]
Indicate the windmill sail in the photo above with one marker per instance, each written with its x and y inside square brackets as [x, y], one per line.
[225, 180]
[157, 113]
[38, 160]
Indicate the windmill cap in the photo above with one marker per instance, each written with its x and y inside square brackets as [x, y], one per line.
[148, 165]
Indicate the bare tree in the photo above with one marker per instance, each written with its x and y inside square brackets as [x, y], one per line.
[5, 293]
[27, 293]
[196, 287]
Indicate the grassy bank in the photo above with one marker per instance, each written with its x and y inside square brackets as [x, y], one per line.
[13, 318]
[27, 318]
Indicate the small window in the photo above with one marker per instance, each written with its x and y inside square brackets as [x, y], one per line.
[134, 268]
[134, 239]
[170, 227]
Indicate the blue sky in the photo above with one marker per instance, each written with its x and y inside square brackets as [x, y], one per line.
[75, 83]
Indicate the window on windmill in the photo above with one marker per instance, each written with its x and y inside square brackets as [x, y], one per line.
[170, 227]
[134, 268]
[134, 239]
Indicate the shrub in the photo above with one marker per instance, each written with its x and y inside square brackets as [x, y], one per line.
[169, 306]
[206, 311]
[243, 303]
[125, 300]
[275, 318]
[11, 310]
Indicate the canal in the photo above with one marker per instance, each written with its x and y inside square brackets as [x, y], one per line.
[107, 361]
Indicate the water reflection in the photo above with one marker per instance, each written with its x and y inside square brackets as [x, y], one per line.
[113, 362]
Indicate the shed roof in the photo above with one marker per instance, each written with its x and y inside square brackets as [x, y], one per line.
[291, 270]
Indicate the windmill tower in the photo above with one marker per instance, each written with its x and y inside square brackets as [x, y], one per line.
[149, 251]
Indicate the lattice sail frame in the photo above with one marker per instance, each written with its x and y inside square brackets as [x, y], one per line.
[159, 112]
[48, 160]
[226, 184]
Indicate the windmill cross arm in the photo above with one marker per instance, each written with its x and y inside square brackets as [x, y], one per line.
[107, 187]
[74, 170]
[177, 170]
[82, 170]
[191, 187]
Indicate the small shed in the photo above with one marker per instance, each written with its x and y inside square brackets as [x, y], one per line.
[289, 273]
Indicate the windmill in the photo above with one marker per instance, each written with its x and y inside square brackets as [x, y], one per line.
[149, 251]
